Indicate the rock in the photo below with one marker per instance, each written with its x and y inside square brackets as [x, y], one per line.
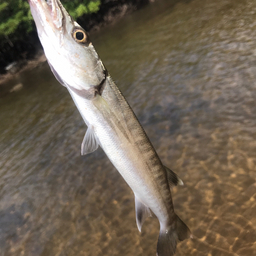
[15, 66]
[16, 87]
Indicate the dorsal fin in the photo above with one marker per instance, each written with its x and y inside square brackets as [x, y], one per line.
[173, 178]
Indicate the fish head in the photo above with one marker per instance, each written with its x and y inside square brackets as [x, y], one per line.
[66, 45]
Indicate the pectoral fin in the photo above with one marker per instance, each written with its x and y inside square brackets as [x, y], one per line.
[142, 212]
[90, 142]
[173, 178]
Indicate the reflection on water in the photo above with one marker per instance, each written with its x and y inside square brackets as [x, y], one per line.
[188, 69]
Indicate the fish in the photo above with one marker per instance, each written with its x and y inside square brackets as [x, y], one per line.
[111, 122]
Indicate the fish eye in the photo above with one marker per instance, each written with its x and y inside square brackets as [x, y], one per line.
[79, 35]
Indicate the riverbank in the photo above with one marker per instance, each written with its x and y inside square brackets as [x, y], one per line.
[109, 12]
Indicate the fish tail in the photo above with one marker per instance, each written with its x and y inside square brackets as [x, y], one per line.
[168, 237]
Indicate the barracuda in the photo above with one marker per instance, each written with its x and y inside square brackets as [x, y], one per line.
[112, 125]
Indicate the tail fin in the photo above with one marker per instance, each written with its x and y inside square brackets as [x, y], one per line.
[167, 241]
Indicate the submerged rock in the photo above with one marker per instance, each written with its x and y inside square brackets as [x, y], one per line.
[17, 87]
[15, 66]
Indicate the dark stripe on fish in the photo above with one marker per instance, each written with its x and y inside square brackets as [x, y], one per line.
[132, 126]
[162, 182]
[142, 142]
[147, 149]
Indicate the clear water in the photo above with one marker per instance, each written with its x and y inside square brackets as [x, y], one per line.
[188, 69]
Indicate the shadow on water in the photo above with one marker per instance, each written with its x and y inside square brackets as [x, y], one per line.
[188, 70]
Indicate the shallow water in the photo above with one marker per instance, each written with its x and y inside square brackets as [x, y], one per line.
[188, 69]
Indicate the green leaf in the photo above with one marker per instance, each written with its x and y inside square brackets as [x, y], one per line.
[94, 6]
[3, 6]
[81, 10]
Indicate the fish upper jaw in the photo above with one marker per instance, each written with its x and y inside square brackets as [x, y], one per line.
[53, 23]
[48, 14]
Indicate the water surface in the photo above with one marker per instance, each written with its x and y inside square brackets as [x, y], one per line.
[188, 69]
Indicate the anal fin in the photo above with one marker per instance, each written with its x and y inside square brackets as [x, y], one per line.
[90, 142]
[142, 212]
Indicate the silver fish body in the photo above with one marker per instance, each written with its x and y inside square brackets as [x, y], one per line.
[112, 125]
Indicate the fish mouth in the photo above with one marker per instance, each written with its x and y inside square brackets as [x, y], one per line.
[46, 5]
[47, 12]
